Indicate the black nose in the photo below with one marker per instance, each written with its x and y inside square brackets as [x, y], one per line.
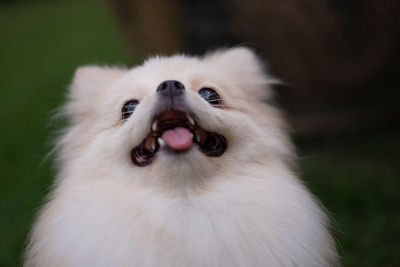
[170, 88]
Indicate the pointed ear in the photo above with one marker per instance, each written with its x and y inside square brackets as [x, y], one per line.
[243, 66]
[89, 80]
[237, 60]
[87, 86]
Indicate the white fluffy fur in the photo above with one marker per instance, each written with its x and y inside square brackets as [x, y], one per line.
[245, 208]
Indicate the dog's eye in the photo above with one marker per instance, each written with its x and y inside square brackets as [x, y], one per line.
[128, 108]
[210, 96]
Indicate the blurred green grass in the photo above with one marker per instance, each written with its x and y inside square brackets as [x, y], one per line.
[42, 42]
[357, 178]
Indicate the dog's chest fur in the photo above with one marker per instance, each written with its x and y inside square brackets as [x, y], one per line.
[232, 224]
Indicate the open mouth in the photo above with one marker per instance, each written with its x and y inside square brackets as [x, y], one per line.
[176, 131]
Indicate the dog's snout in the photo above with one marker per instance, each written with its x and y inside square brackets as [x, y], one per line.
[170, 88]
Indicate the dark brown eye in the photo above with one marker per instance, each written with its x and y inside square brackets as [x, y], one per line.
[128, 108]
[210, 96]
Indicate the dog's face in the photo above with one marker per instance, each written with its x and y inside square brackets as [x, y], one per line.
[174, 120]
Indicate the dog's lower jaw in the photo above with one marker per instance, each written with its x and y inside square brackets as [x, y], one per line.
[182, 172]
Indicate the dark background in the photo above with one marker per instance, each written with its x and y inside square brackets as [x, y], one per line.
[339, 59]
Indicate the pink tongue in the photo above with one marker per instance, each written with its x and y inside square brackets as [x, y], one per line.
[179, 138]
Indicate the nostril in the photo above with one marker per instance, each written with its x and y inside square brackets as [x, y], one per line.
[178, 85]
[164, 86]
[170, 88]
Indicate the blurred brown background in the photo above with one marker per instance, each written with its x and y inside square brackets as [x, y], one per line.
[338, 57]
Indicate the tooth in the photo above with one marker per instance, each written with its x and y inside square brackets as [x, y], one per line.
[200, 135]
[191, 120]
[154, 126]
[161, 142]
[197, 137]
[150, 144]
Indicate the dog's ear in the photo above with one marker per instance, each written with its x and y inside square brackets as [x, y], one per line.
[235, 60]
[87, 87]
[90, 80]
[245, 68]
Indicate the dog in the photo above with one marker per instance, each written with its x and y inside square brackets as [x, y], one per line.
[180, 161]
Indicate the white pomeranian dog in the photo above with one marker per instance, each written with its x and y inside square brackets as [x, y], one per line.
[178, 162]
